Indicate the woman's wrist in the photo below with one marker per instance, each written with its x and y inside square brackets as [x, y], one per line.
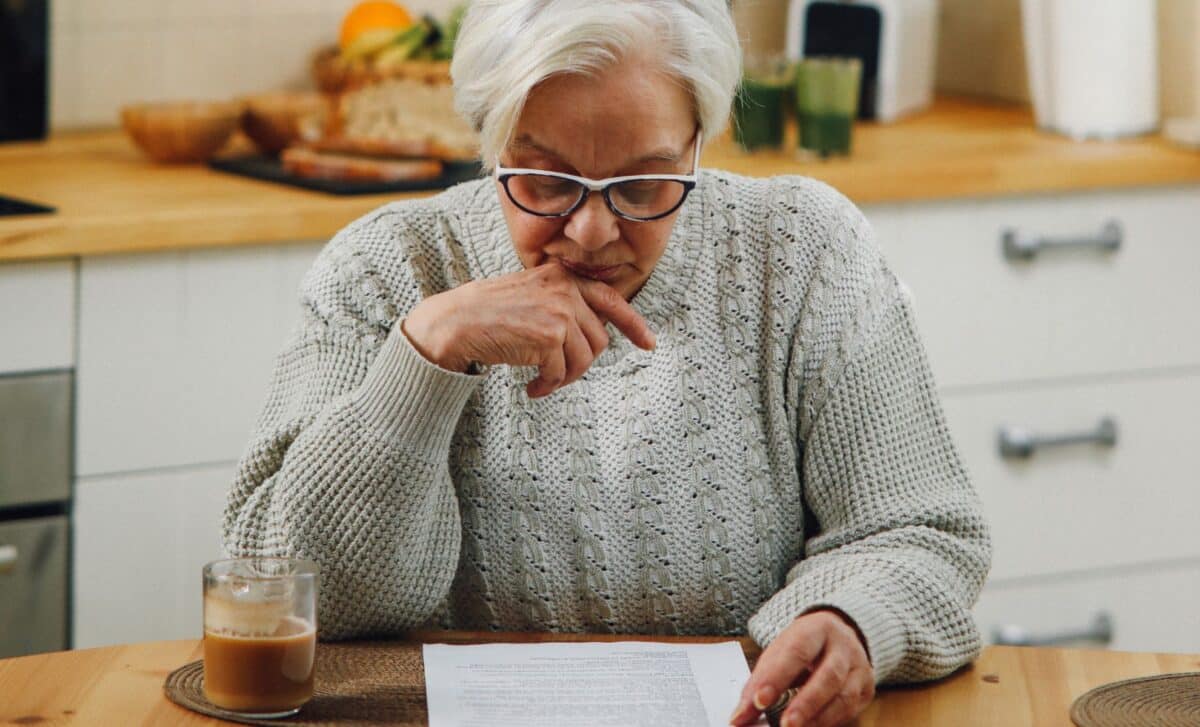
[425, 330]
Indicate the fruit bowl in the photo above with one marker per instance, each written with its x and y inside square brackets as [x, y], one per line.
[183, 131]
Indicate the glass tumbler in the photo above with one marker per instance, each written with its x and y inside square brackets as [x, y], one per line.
[760, 106]
[827, 103]
[260, 634]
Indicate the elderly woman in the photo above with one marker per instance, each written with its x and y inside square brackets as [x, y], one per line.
[607, 391]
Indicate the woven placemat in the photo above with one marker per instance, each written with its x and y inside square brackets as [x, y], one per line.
[1170, 700]
[367, 683]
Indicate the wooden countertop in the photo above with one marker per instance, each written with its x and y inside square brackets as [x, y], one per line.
[1007, 686]
[111, 199]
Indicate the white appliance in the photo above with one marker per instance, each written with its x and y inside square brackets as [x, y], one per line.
[895, 39]
[1093, 66]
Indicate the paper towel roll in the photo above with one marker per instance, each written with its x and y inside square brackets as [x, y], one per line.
[1102, 67]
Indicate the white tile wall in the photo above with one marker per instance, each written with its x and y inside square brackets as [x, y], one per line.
[108, 53]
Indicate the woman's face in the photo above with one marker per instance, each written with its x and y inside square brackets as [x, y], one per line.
[627, 120]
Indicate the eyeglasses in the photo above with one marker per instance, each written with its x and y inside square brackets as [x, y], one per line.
[638, 197]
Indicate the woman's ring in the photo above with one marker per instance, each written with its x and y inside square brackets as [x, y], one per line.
[780, 704]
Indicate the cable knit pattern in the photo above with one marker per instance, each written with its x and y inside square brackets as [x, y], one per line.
[782, 449]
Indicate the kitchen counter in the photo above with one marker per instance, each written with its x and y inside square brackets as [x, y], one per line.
[110, 199]
[1006, 686]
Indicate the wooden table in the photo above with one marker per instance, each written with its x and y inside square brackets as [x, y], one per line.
[122, 685]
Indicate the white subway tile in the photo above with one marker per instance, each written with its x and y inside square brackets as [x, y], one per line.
[64, 77]
[116, 13]
[206, 62]
[176, 11]
[118, 66]
[64, 13]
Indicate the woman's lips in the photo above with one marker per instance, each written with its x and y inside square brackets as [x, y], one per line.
[603, 273]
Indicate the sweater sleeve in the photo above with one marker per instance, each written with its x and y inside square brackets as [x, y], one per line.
[349, 463]
[899, 543]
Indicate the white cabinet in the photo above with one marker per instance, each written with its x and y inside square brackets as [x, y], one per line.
[1054, 344]
[1086, 506]
[1068, 311]
[37, 316]
[139, 544]
[175, 352]
[1148, 608]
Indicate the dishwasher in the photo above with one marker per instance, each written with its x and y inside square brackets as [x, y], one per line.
[35, 497]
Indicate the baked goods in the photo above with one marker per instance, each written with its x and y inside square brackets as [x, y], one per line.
[400, 117]
[313, 164]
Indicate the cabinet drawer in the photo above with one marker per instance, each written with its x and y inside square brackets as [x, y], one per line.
[1085, 506]
[1079, 310]
[37, 330]
[176, 351]
[1148, 609]
[33, 583]
[140, 543]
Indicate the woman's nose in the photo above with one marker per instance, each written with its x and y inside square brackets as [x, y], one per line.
[593, 225]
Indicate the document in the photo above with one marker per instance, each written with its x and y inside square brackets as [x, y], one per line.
[622, 684]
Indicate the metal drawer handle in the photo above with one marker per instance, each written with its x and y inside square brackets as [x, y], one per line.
[8, 558]
[1099, 632]
[1019, 247]
[1020, 443]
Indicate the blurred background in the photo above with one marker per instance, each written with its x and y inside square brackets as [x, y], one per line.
[169, 170]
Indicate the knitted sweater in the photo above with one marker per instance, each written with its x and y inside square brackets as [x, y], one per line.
[782, 449]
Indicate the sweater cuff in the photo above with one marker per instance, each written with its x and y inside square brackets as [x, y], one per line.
[411, 399]
[884, 633]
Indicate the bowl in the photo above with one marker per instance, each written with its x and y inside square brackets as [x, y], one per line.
[275, 121]
[183, 131]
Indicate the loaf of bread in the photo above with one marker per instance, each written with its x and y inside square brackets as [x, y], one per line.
[400, 117]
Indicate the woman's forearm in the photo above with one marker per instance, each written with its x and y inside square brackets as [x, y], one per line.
[363, 488]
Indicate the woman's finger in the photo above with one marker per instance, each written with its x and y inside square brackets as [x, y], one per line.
[551, 373]
[854, 698]
[578, 355]
[791, 655]
[823, 687]
[592, 327]
[609, 304]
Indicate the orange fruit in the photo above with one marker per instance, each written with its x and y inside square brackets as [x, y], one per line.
[373, 15]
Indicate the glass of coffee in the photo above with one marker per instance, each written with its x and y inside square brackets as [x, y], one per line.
[260, 635]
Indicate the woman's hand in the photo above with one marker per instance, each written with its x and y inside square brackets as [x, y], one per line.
[821, 654]
[544, 317]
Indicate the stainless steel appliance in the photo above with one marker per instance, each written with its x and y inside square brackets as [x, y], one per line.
[35, 492]
[23, 53]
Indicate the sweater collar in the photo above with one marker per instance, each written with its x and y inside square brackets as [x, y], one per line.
[659, 299]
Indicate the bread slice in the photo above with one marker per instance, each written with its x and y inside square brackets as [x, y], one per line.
[313, 164]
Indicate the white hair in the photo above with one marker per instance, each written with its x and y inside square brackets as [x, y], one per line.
[506, 47]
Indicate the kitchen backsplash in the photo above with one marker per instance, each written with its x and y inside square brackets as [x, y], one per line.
[979, 43]
[981, 47]
[108, 53]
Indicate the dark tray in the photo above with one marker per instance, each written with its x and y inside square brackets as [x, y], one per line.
[271, 169]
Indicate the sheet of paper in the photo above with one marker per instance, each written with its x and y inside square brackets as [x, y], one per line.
[622, 684]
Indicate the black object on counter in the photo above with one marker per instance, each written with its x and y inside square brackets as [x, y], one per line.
[270, 169]
[10, 207]
[24, 48]
[856, 31]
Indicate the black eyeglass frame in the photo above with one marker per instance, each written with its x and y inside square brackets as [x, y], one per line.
[604, 186]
